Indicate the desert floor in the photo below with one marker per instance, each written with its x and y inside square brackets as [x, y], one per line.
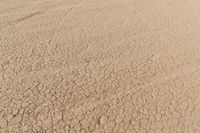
[99, 66]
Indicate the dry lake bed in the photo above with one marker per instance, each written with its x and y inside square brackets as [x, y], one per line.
[99, 66]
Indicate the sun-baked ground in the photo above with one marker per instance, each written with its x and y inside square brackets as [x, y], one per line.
[99, 66]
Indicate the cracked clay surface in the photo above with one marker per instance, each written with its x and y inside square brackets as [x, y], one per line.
[99, 66]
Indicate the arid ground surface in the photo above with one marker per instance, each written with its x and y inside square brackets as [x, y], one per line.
[99, 66]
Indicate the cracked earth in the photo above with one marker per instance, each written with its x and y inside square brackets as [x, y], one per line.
[99, 66]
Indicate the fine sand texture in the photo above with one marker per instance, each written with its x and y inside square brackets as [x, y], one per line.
[99, 66]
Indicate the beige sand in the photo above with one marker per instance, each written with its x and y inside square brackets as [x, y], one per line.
[99, 66]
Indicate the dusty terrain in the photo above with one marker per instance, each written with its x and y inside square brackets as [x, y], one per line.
[99, 66]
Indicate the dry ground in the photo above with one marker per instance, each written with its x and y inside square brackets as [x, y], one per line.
[99, 66]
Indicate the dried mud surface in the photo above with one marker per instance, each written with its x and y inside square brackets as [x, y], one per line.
[99, 66]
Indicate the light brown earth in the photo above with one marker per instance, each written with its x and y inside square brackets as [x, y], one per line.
[99, 66]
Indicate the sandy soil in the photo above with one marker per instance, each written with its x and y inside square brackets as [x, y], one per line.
[99, 66]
